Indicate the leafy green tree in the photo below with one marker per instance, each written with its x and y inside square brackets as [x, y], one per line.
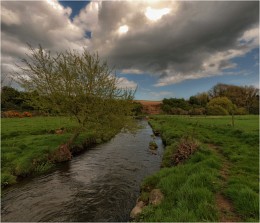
[216, 110]
[78, 85]
[242, 96]
[223, 102]
[137, 108]
[171, 104]
[10, 99]
[202, 98]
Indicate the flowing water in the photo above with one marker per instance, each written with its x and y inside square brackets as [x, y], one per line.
[101, 184]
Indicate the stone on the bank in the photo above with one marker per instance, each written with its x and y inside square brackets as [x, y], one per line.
[137, 209]
[155, 197]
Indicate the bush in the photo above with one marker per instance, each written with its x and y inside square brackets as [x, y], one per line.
[197, 111]
[15, 114]
[216, 110]
[178, 111]
[27, 114]
[185, 148]
[241, 111]
[223, 102]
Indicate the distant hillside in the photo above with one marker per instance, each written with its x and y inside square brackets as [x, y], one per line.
[151, 107]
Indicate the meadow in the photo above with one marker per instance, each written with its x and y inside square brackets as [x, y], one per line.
[28, 143]
[219, 182]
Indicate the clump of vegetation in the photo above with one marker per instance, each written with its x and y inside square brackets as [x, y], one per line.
[15, 114]
[220, 106]
[153, 145]
[185, 148]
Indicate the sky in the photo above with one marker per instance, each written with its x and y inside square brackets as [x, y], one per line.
[163, 48]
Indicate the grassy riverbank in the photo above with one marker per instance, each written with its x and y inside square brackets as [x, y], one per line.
[220, 180]
[28, 144]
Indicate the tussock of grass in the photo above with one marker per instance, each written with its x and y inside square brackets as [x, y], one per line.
[190, 188]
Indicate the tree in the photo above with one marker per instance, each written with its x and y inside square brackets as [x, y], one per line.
[10, 99]
[221, 106]
[174, 103]
[202, 98]
[242, 96]
[78, 85]
[223, 102]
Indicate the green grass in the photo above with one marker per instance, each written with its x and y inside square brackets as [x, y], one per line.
[190, 188]
[27, 143]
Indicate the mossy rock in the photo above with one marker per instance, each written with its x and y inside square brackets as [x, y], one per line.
[153, 145]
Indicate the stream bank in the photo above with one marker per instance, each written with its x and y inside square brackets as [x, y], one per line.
[102, 184]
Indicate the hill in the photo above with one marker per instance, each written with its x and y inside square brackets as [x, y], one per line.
[151, 107]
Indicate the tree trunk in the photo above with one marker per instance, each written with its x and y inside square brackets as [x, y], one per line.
[233, 119]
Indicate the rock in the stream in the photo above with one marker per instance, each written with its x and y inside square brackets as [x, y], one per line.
[155, 197]
[137, 209]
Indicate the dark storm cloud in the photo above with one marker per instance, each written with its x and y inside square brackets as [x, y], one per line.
[185, 39]
[195, 39]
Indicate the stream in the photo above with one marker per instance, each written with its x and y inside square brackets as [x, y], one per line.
[100, 185]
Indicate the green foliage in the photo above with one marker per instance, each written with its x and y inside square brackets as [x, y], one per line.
[223, 102]
[175, 106]
[137, 108]
[79, 85]
[9, 99]
[153, 145]
[216, 110]
[197, 111]
[7, 179]
[12, 99]
[241, 111]
[242, 96]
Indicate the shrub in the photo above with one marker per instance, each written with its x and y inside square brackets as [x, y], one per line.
[185, 148]
[241, 111]
[216, 110]
[11, 114]
[27, 114]
[197, 111]
[178, 111]
[153, 145]
[15, 114]
[223, 102]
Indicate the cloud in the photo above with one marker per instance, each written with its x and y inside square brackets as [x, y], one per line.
[185, 40]
[125, 83]
[189, 40]
[42, 22]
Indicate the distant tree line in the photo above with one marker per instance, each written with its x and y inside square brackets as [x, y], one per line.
[12, 99]
[222, 99]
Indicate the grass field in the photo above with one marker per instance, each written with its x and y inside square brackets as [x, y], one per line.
[27, 143]
[220, 182]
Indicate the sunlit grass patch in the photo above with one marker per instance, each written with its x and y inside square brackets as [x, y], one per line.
[190, 188]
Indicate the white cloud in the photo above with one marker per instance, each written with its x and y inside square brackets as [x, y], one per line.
[125, 83]
[43, 22]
